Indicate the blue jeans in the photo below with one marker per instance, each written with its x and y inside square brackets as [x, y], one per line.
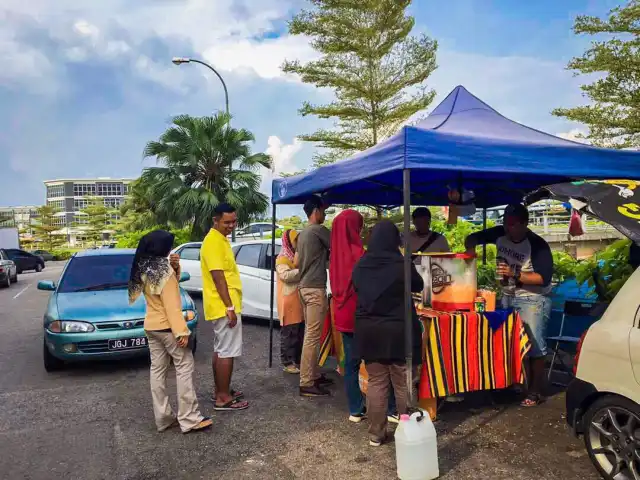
[535, 311]
[355, 399]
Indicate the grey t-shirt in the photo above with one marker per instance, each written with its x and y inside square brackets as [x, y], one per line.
[314, 244]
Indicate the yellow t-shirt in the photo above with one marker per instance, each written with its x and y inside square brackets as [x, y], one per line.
[216, 254]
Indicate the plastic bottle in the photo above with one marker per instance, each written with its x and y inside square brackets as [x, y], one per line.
[416, 448]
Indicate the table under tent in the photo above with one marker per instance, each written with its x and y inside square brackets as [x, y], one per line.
[463, 144]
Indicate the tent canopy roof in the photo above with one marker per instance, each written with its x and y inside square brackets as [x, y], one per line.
[462, 143]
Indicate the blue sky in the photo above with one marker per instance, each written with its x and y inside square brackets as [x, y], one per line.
[84, 85]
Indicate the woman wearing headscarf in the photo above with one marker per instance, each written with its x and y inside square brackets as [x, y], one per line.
[289, 306]
[346, 250]
[378, 279]
[154, 277]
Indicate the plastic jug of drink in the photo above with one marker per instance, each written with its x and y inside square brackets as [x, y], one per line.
[416, 448]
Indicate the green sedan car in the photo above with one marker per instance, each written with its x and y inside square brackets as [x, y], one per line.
[88, 316]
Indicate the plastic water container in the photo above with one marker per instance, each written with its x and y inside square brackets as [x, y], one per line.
[416, 448]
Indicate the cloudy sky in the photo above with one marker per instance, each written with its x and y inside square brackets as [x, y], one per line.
[85, 84]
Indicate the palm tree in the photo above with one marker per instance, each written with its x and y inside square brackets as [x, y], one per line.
[205, 162]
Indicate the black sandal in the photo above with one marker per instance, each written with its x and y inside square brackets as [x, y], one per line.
[532, 400]
[231, 405]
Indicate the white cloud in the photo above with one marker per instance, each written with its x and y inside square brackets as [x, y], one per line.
[282, 154]
[86, 29]
[262, 58]
[575, 135]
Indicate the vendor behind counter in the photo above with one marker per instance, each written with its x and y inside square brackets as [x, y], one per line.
[423, 239]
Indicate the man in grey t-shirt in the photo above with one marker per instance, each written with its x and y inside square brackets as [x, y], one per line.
[313, 253]
[525, 264]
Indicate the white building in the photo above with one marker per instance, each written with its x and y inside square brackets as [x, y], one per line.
[70, 196]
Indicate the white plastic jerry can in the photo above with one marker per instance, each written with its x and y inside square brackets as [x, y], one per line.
[416, 447]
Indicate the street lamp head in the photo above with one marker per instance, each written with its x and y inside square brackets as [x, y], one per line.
[180, 60]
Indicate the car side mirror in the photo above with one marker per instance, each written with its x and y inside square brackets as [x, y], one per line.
[184, 277]
[47, 285]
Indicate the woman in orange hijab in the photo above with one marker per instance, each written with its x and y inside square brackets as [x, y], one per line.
[346, 250]
[289, 306]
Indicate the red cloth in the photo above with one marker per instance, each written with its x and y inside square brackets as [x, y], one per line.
[575, 224]
[346, 250]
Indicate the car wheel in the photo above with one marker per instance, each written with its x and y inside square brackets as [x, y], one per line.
[38, 267]
[612, 437]
[7, 281]
[15, 278]
[51, 363]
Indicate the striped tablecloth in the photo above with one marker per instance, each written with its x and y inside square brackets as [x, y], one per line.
[462, 353]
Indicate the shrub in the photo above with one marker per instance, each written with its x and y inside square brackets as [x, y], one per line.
[62, 254]
[131, 239]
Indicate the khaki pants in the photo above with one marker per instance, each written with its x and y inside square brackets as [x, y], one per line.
[315, 306]
[380, 377]
[163, 348]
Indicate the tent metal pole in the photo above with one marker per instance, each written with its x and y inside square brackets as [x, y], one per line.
[484, 227]
[273, 270]
[408, 300]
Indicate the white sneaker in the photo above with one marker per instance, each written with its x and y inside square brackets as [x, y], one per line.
[357, 418]
[375, 443]
[393, 418]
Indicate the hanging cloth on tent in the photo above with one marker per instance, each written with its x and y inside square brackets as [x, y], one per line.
[575, 224]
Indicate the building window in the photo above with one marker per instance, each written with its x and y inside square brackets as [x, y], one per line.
[112, 202]
[109, 189]
[59, 221]
[56, 204]
[82, 189]
[80, 204]
[54, 191]
[126, 188]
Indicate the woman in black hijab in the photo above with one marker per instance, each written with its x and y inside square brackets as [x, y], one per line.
[378, 279]
[153, 276]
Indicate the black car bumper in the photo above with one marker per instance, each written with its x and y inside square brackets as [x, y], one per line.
[577, 400]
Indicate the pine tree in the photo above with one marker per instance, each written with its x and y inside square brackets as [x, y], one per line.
[375, 68]
[614, 116]
[95, 218]
[45, 228]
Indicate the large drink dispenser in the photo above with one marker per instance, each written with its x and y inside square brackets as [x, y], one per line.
[453, 281]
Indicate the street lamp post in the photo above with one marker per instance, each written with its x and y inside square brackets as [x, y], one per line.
[180, 61]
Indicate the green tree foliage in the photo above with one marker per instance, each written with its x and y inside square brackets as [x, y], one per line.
[94, 219]
[131, 239]
[204, 162]
[294, 222]
[44, 228]
[606, 271]
[139, 212]
[375, 68]
[614, 116]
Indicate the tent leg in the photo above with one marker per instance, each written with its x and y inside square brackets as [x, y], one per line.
[273, 269]
[484, 227]
[408, 307]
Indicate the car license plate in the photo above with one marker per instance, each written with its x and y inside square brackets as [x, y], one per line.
[127, 343]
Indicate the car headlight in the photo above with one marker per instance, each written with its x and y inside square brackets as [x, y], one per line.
[70, 327]
[189, 315]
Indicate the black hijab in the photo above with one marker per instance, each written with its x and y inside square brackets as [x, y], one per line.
[150, 264]
[378, 269]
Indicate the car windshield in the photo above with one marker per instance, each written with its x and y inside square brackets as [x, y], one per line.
[99, 272]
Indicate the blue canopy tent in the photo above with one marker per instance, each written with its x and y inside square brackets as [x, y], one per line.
[462, 143]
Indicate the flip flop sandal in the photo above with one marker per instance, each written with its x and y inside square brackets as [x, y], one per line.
[533, 400]
[205, 423]
[231, 405]
[235, 394]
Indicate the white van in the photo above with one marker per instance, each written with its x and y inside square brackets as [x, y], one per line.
[603, 401]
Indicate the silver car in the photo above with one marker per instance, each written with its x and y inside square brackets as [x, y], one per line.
[8, 270]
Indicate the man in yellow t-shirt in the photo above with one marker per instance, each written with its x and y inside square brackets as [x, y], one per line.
[222, 297]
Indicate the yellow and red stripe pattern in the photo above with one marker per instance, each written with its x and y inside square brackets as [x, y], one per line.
[462, 353]
[331, 342]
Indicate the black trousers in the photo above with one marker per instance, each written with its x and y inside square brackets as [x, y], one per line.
[291, 338]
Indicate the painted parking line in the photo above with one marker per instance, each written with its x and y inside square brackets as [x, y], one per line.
[21, 292]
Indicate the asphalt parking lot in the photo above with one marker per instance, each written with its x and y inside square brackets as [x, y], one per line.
[95, 421]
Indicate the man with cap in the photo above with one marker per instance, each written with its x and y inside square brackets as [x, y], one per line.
[312, 260]
[525, 266]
